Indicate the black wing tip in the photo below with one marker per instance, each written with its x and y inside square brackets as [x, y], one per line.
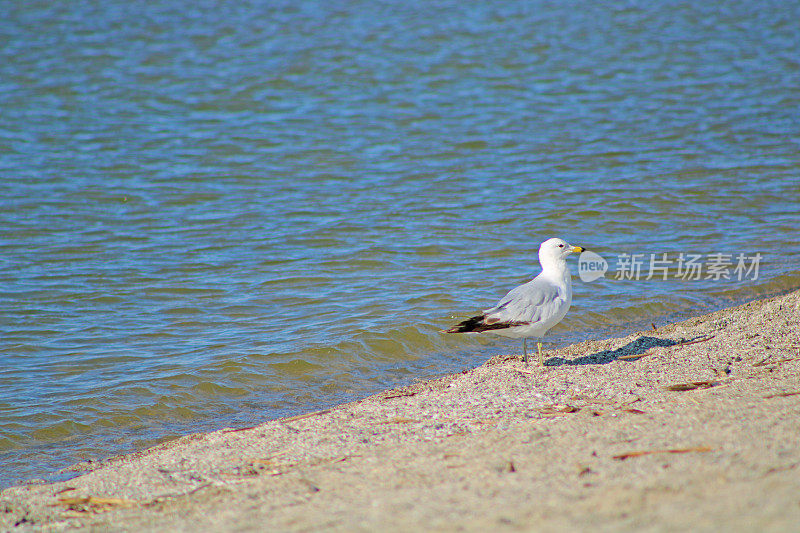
[470, 324]
[478, 324]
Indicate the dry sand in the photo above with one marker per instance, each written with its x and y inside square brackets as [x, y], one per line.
[692, 426]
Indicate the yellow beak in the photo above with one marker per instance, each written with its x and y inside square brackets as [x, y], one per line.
[578, 249]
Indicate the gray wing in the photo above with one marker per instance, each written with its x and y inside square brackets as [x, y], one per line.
[532, 302]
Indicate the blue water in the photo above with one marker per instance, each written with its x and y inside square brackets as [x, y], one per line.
[212, 215]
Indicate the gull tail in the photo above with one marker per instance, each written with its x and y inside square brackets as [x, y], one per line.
[478, 323]
[471, 324]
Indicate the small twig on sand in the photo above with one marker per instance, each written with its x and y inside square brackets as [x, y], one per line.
[632, 400]
[267, 460]
[559, 409]
[306, 415]
[783, 394]
[87, 503]
[163, 497]
[766, 361]
[238, 429]
[628, 455]
[633, 356]
[692, 386]
[398, 420]
[693, 341]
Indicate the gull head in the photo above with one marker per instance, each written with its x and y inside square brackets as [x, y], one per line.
[555, 251]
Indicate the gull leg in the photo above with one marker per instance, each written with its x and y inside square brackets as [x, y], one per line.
[525, 351]
[541, 357]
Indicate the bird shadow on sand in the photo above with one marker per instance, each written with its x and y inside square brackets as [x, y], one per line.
[633, 348]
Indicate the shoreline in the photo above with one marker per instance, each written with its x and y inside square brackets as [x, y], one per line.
[693, 424]
[65, 467]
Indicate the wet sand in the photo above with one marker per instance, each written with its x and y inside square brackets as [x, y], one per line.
[695, 425]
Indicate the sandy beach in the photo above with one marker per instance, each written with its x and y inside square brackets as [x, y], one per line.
[691, 426]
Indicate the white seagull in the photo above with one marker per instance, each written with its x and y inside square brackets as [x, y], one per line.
[530, 310]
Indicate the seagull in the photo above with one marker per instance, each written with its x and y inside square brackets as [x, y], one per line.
[530, 310]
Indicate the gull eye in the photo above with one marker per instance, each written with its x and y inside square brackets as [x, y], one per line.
[560, 245]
